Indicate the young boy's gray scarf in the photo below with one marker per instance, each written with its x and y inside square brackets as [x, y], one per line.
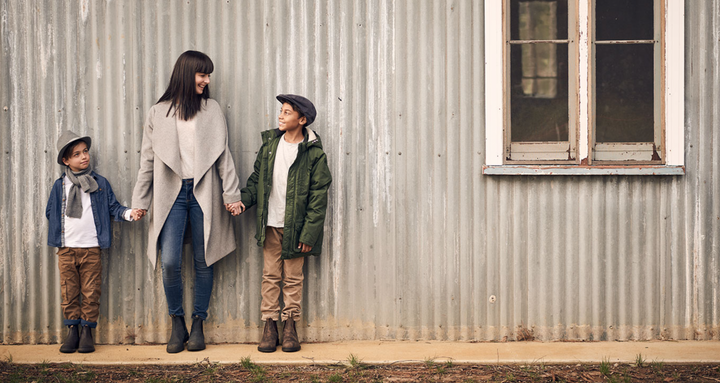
[81, 180]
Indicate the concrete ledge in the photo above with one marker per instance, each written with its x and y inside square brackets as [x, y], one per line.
[385, 352]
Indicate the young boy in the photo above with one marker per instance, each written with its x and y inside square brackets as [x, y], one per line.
[79, 209]
[289, 184]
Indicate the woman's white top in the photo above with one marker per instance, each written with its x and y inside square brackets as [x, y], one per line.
[186, 138]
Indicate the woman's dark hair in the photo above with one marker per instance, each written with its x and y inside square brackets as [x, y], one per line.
[181, 90]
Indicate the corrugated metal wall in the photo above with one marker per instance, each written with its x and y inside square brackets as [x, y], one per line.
[418, 240]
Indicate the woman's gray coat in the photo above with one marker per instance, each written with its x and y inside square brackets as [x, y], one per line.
[215, 180]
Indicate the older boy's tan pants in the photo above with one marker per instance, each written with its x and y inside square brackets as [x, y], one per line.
[276, 270]
[80, 272]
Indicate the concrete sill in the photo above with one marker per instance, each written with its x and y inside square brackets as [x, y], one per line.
[564, 170]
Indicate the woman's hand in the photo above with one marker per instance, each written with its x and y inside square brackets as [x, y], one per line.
[137, 214]
[235, 208]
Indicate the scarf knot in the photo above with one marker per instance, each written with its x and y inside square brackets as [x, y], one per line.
[82, 181]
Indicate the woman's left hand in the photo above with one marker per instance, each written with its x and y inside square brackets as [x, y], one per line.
[235, 208]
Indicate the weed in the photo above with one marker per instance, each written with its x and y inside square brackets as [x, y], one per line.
[211, 369]
[605, 367]
[639, 361]
[469, 381]
[657, 366]
[335, 378]
[314, 379]
[429, 362]
[449, 364]
[510, 377]
[625, 379]
[355, 362]
[133, 373]
[9, 358]
[258, 372]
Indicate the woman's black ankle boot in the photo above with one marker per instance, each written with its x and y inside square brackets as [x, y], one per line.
[197, 338]
[179, 335]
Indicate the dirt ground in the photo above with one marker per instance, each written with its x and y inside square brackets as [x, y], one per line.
[354, 370]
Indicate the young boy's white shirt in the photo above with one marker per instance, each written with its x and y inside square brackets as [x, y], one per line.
[81, 232]
[285, 155]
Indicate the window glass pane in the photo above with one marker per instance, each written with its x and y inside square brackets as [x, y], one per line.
[624, 89]
[538, 19]
[624, 19]
[539, 92]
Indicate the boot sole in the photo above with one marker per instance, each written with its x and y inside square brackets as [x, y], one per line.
[86, 351]
[288, 349]
[174, 351]
[195, 348]
[267, 349]
[68, 351]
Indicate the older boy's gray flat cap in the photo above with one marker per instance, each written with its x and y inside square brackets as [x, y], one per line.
[66, 138]
[306, 106]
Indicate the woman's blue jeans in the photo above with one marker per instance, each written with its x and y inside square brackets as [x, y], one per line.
[185, 208]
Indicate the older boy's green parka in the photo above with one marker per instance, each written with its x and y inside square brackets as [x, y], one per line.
[306, 200]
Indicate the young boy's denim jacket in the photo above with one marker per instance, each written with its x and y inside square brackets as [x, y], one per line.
[103, 204]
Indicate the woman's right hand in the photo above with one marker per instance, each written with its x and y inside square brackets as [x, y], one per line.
[137, 214]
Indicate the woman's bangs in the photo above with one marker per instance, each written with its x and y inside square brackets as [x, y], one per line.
[204, 65]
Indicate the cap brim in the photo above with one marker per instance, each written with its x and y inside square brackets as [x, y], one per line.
[86, 139]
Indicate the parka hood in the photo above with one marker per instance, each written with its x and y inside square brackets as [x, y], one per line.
[311, 139]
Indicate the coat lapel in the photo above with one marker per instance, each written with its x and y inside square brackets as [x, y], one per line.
[210, 138]
[166, 133]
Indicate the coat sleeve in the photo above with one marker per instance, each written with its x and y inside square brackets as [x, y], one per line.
[226, 169]
[142, 193]
[116, 209]
[50, 202]
[249, 192]
[320, 180]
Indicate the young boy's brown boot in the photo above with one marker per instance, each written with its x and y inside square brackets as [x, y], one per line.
[72, 339]
[87, 344]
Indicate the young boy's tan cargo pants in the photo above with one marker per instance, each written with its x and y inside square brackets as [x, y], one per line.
[80, 273]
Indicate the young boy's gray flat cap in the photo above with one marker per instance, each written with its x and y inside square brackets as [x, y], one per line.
[306, 106]
[66, 138]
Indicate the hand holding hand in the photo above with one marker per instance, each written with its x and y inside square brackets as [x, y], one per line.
[137, 214]
[235, 208]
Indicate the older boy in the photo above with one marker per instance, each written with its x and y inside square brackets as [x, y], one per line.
[289, 184]
[79, 209]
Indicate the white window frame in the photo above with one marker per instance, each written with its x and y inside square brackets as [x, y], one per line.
[672, 107]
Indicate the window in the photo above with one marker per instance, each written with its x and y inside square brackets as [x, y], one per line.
[584, 86]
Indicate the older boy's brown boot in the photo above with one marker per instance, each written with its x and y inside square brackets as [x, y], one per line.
[72, 340]
[290, 339]
[269, 341]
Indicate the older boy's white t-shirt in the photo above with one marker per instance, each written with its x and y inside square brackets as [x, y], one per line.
[79, 232]
[284, 157]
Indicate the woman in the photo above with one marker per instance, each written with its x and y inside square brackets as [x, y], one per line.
[188, 174]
